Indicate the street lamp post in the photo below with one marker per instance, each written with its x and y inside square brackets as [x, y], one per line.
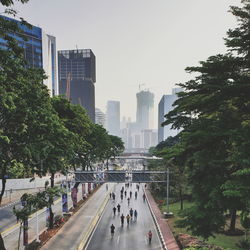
[168, 190]
[37, 227]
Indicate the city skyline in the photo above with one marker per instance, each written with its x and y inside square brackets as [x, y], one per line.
[136, 45]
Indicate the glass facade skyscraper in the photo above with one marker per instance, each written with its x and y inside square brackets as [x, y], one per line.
[39, 51]
[166, 105]
[77, 75]
[145, 109]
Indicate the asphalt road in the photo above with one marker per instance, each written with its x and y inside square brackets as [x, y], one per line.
[132, 237]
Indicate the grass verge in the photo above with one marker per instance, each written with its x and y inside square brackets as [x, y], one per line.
[222, 240]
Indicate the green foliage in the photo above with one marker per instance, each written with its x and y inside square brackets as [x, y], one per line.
[244, 244]
[11, 2]
[213, 113]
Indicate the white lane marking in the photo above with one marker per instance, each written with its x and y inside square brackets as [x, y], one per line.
[118, 239]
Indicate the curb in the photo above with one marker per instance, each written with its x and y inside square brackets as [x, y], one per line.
[92, 225]
[156, 223]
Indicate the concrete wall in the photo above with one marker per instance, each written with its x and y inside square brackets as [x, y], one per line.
[17, 184]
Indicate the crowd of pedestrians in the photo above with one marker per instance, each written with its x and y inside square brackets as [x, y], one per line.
[132, 214]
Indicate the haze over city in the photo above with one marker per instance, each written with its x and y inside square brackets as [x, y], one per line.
[136, 42]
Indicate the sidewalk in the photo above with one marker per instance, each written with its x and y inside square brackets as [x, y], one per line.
[167, 235]
[74, 234]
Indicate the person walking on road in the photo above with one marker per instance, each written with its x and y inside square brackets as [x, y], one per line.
[150, 236]
[118, 208]
[128, 218]
[114, 210]
[130, 194]
[110, 195]
[121, 196]
[128, 201]
[125, 192]
[122, 219]
[113, 195]
[112, 229]
[136, 195]
[107, 187]
[144, 197]
[135, 214]
[131, 213]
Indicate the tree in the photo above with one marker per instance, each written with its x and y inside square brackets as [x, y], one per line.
[114, 146]
[173, 153]
[75, 119]
[22, 214]
[214, 114]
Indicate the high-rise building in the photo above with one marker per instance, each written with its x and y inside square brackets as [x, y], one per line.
[113, 117]
[100, 117]
[165, 106]
[77, 75]
[145, 108]
[39, 51]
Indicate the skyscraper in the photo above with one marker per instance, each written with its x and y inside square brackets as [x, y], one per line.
[145, 108]
[39, 51]
[77, 75]
[100, 117]
[113, 118]
[165, 106]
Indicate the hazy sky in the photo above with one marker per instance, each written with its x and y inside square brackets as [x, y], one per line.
[136, 41]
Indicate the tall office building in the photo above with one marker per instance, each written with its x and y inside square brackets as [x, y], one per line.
[77, 75]
[165, 106]
[100, 117]
[39, 51]
[113, 118]
[145, 108]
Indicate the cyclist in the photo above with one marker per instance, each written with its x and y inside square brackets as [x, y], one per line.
[135, 214]
[118, 208]
[122, 219]
[114, 210]
[136, 195]
[150, 236]
[112, 229]
[131, 213]
[128, 218]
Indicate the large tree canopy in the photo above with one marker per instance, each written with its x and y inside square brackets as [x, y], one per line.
[214, 113]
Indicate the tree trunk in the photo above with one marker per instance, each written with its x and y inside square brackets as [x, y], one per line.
[233, 220]
[107, 164]
[3, 186]
[181, 198]
[51, 218]
[52, 180]
[2, 247]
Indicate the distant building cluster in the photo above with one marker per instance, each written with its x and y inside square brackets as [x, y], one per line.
[72, 73]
